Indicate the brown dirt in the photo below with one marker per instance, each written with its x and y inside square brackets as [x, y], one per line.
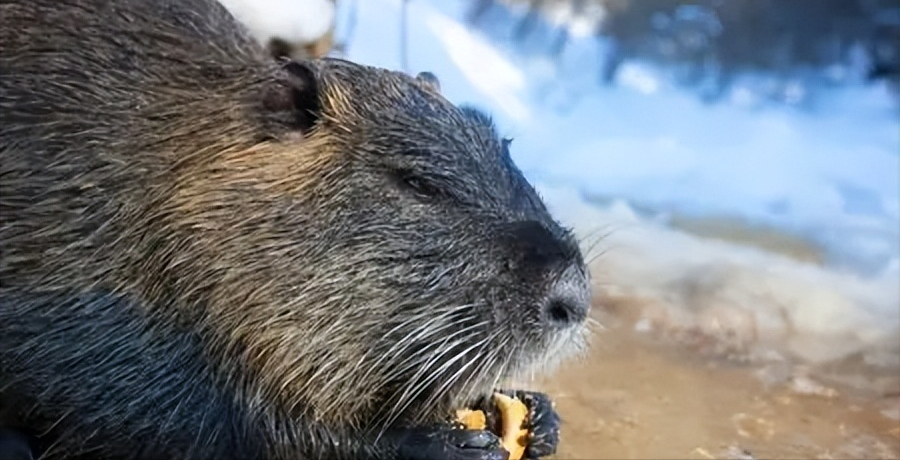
[637, 398]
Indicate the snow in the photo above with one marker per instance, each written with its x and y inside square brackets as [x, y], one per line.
[728, 290]
[295, 21]
[473, 60]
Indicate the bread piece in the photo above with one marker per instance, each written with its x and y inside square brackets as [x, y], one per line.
[472, 419]
[513, 414]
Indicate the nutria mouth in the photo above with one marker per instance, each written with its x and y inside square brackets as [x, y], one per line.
[463, 381]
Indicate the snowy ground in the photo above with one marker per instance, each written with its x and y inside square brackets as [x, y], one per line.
[831, 177]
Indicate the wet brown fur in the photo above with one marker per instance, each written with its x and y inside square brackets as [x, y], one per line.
[206, 254]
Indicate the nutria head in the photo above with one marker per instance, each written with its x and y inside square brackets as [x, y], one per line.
[348, 246]
[415, 268]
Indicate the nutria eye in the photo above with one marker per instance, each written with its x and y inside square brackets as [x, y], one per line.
[418, 185]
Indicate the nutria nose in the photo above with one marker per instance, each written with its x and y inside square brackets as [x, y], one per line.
[554, 260]
[568, 301]
[537, 248]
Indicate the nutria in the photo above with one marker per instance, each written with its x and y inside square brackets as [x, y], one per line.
[208, 254]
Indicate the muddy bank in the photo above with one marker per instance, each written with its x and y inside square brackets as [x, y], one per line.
[636, 396]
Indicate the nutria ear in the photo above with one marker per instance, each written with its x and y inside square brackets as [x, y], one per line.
[295, 96]
[429, 81]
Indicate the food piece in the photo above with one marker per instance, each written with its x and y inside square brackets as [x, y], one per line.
[513, 413]
[472, 419]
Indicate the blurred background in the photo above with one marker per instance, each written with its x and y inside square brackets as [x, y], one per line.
[732, 168]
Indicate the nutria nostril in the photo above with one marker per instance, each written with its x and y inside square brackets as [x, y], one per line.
[565, 312]
[568, 301]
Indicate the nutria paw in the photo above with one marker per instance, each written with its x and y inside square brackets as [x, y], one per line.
[543, 423]
[447, 442]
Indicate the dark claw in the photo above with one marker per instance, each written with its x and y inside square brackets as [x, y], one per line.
[444, 442]
[543, 423]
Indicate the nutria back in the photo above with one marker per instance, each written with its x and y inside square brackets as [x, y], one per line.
[207, 254]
